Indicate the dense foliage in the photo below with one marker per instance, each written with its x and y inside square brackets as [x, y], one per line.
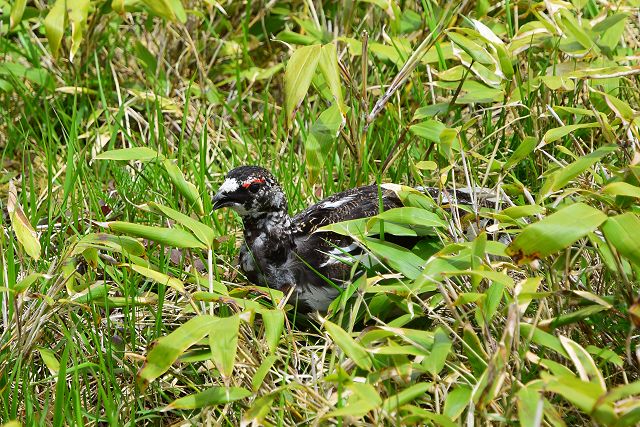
[120, 297]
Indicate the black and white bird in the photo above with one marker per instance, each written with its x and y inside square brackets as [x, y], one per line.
[286, 253]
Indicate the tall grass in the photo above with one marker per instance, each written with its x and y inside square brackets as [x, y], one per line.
[483, 340]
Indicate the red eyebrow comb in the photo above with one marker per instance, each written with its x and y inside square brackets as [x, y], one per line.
[253, 181]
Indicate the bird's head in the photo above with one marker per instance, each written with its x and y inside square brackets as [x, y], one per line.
[251, 191]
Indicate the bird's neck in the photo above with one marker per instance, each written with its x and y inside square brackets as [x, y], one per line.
[269, 237]
[275, 223]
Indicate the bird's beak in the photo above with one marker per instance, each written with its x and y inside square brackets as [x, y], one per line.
[220, 200]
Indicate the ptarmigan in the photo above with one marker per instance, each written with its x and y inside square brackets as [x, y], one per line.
[282, 252]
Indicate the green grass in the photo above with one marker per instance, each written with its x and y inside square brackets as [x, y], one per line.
[437, 349]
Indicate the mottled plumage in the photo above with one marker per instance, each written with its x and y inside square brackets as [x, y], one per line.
[281, 251]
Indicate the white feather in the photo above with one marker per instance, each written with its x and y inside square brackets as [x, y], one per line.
[229, 185]
[336, 203]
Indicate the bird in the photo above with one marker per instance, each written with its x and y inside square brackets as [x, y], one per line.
[288, 253]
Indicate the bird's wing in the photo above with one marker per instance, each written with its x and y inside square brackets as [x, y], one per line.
[361, 202]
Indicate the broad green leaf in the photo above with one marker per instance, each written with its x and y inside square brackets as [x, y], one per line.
[439, 352]
[353, 408]
[94, 293]
[486, 75]
[478, 251]
[175, 237]
[349, 346]
[412, 216]
[427, 165]
[50, 360]
[393, 349]
[411, 196]
[210, 397]
[78, 11]
[524, 291]
[504, 58]
[622, 392]
[613, 27]
[146, 97]
[298, 75]
[22, 228]
[167, 9]
[557, 83]
[167, 349]
[474, 92]
[516, 212]
[54, 25]
[395, 402]
[555, 232]
[609, 21]
[363, 399]
[420, 415]
[622, 232]
[457, 400]
[473, 49]
[494, 297]
[262, 371]
[474, 351]
[583, 362]
[530, 407]
[296, 38]
[159, 277]
[604, 72]
[273, 327]
[428, 129]
[397, 257]
[355, 228]
[630, 418]
[223, 339]
[555, 368]
[572, 27]
[203, 232]
[430, 111]
[255, 74]
[26, 282]
[260, 408]
[556, 133]
[397, 52]
[619, 107]
[104, 241]
[622, 189]
[606, 355]
[432, 273]
[375, 226]
[187, 189]
[330, 69]
[563, 176]
[419, 339]
[486, 33]
[142, 154]
[17, 10]
[321, 138]
[540, 337]
[583, 394]
[38, 76]
[571, 111]
[524, 149]
[571, 317]
[468, 297]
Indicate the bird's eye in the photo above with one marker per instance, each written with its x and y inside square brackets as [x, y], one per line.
[253, 187]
